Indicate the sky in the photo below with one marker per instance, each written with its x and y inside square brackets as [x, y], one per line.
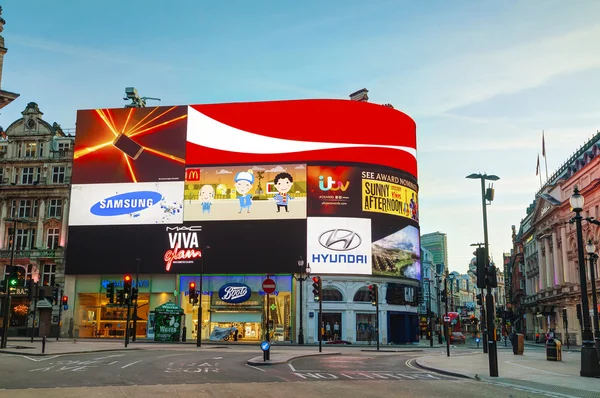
[482, 79]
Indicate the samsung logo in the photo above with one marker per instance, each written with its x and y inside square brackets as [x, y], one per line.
[126, 203]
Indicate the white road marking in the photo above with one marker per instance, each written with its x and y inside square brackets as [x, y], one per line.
[218, 358]
[132, 363]
[168, 355]
[257, 368]
[40, 359]
[109, 356]
[112, 363]
[291, 367]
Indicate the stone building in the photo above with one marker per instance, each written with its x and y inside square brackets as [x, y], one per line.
[6, 97]
[35, 169]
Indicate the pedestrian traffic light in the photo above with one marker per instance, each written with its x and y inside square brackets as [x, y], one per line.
[127, 285]
[479, 299]
[110, 292]
[65, 300]
[481, 267]
[192, 293]
[120, 297]
[13, 277]
[317, 287]
[55, 293]
[492, 278]
[444, 296]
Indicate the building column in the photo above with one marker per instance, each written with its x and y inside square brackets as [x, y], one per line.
[3, 213]
[566, 267]
[556, 260]
[39, 239]
[541, 269]
[64, 224]
[549, 269]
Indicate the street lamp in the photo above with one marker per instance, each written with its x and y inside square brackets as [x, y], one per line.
[589, 356]
[438, 278]
[199, 332]
[490, 312]
[591, 250]
[302, 276]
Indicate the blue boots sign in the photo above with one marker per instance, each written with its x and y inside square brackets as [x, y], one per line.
[234, 293]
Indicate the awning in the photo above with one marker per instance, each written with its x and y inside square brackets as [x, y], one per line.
[237, 317]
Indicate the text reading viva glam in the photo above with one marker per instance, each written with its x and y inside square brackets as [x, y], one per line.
[184, 245]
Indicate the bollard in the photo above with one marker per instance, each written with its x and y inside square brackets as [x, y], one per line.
[184, 332]
[43, 344]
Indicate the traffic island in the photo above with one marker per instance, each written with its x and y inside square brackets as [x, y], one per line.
[276, 359]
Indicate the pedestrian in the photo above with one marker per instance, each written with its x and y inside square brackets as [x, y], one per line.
[336, 330]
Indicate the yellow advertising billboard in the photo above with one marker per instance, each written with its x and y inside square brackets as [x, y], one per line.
[389, 198]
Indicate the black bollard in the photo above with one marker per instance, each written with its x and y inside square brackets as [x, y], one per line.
[183, 337]
[43, 344]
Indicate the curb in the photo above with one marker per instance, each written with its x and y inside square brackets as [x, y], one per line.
[442, 371]
[392, 351]
[255, 362]
[25, 353]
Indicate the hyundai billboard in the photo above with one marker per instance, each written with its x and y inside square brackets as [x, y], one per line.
[261, 183]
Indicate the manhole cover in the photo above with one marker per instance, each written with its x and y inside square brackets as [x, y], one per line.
[22, 347]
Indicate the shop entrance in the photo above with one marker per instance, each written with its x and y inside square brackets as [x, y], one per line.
[332, 325]
[248, 324]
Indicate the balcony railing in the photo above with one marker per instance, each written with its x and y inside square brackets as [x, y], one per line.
[42, 182]
[32, 253]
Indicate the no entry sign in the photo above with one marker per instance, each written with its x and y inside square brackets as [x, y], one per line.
[269, 286]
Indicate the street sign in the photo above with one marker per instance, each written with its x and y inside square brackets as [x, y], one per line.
[446, 319]
[265, 345]
[269, 286]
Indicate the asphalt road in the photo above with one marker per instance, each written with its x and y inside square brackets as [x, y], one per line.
[170, 371]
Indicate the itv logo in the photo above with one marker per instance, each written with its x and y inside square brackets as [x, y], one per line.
[332, 185]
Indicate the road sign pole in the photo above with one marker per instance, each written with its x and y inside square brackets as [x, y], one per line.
[320, 323]
[446, 323]
[268, 339]
[377, 315]
[60, 307]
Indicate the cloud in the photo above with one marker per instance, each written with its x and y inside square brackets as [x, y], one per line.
[277, 169]
[223, 171]
[300, 167]
[258, 168]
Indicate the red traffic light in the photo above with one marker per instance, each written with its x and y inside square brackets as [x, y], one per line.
[127, 278]
[370, 287]
[192, 285]
[316, 279]
[65, 300]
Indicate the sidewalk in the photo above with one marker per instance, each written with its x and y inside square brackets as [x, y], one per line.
[531, 370]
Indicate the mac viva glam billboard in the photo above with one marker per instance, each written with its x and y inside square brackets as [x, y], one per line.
[245, 178]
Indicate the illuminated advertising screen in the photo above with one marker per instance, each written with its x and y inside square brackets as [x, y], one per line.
[261, 183]
[258, 192]
[130, 145]
[129, 203]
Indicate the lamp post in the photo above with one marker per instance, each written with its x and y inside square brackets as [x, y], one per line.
[490, 312]
[591, 250]
[199, 333]
[135, 307]
[589, 356]
[7, 305]
[438, 277]
[429, 313]
[302, 276]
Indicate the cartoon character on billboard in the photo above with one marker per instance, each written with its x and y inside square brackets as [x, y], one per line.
[244, 181]
[206, 195]
[283, 183]
[414, 208]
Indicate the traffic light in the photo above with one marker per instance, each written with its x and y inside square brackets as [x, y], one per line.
[492, 278]
[110, 292]
[13, 278]
[30, 285]
[120, 297]
[55, 293]
[134, 293]
[317, 287]
[479, 299]
[373, 294]
[444, 296]
[481, 267]
[65, 300]
[127, 285]
[192, 293]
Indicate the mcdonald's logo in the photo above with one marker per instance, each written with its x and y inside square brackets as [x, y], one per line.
[192, 174]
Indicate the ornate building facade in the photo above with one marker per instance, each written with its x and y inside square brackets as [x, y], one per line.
[35, 169]
[550, 245]
[6, 97]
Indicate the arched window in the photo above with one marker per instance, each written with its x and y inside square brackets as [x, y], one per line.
[362, 295]
[332, 294]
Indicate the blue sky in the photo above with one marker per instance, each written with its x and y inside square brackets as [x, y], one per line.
[480, 78]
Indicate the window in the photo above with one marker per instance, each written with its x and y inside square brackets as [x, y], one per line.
[27, 175]
[332, 294]
[25, 239]
[55, 208]
[30, 149]
[24, 208]
[1, 174]
[362, 295]
[48, 275]
[58, 175]
[41, 149]
[64, 146]
[53, 238]
[13, 208]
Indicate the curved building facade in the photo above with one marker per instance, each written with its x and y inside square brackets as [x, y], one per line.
[240, 192]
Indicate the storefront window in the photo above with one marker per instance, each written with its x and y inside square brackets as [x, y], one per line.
[332, 294]
[365, 327]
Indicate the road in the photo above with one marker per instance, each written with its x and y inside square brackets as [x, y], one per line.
[360, 373]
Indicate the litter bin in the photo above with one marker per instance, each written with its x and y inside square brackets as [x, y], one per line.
[518, 343]
[553, 350]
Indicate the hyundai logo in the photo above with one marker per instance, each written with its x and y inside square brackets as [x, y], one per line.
[126, 203]
[340, 239]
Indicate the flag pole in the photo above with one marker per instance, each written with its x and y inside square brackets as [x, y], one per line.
[537, 170]
[544, 154]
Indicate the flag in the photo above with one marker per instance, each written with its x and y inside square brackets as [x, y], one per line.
[537, 169]
[543, 145]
